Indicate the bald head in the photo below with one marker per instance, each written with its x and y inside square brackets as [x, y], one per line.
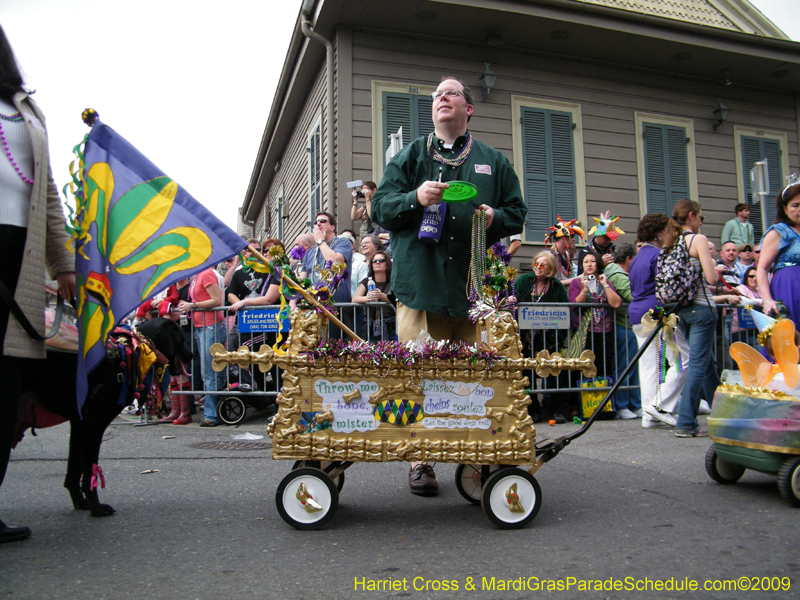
[306, 240]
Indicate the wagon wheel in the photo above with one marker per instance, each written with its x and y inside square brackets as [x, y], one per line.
[323, 466]
[511, 498]
[307, 498]
[720, 470]
[470, 480]
[231, 410]
[789, 480]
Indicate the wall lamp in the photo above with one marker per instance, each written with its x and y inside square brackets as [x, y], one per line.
[720, 114]
[488, 79]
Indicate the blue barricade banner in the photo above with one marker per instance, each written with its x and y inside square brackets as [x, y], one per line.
[261, 320]
[746, 319]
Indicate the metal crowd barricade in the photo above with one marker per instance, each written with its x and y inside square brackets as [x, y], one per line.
[381, 325]
[603, 350]
[724, 337]
[377, 321]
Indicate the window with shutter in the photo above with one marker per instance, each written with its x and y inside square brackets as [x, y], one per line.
[279, 215]
[315, 170]
[412, 112]
[548, 169]
[755, 149]
[666, 166]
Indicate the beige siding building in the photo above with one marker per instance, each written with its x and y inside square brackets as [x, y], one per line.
[599, 104]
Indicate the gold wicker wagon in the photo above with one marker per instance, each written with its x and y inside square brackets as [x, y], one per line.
[338, 410]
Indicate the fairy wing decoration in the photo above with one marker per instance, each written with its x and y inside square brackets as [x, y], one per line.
[135, 233]
[757, 371]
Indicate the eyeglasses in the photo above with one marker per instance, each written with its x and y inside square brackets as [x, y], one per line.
[379, 260]
[452, 94]
[540, 266]
[318, 221]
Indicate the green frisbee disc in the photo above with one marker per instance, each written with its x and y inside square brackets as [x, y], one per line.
[459, 191]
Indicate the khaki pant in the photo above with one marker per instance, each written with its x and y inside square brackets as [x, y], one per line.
[411, 322]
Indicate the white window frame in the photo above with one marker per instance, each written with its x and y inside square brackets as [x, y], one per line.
[378, 88]
[520, 102]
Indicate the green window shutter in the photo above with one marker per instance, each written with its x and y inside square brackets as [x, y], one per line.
[412, 112]
[678, 165]
[397, 112]
[755, 149]
[772, 152]
[423, 117]
[548, 170]
[666, 167]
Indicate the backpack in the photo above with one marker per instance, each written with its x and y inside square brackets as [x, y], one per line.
[676, 279]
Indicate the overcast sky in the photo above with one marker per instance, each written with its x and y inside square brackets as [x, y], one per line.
[189, 83]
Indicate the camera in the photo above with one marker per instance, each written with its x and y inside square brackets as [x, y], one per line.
[359, 194]
[592, 283]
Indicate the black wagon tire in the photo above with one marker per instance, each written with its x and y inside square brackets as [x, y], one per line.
[789, 480]
[495, 498]
[231, 410]
[322, 466]
[307, 498]
[720, 470]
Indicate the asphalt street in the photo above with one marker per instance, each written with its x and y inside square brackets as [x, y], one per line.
[621, 506]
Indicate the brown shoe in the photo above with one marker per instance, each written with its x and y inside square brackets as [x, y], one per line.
[422, 480]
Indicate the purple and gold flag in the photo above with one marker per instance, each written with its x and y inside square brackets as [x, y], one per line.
[136, 232]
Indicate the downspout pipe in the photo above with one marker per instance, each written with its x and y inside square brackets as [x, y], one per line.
[312, 35]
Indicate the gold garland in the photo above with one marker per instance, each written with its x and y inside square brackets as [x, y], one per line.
[766, 333]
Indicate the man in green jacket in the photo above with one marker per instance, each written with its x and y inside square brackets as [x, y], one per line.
[430, 279]
[628, 403]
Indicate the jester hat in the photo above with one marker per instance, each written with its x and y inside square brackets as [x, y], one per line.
[562, 229]
[606, 225]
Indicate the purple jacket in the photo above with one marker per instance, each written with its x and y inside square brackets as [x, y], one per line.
[643, 283]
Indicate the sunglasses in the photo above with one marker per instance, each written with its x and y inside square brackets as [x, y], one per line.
[702, 218]
[639, 245]
[379, 260]
[318, 221]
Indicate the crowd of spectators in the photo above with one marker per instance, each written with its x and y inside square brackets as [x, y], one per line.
[676, 376]
[673, 381]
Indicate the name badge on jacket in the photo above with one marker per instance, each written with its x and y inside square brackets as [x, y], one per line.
[483, 169]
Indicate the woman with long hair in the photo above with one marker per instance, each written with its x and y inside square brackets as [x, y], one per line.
[32, 241]
[749, 289]
[543, 286]
[699, 319]
[591, 286]
[660, 391]
[380, 271]
[780, 255]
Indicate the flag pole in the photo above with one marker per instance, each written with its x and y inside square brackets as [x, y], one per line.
[309, 298]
